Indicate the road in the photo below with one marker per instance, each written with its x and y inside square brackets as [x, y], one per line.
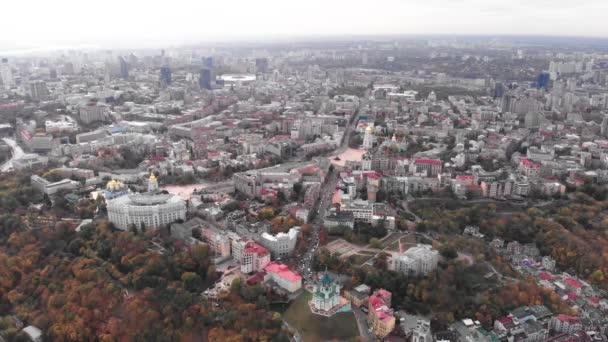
[17, 154]
[304, 266]
[361, 318]
[407, 210]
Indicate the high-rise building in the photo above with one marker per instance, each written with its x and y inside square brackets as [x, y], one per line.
[604, 127]
[499, 90]
[124, 67]
[208, 62]
[543, 79]
[261, 65]
[204, 80]
[165, 76]
[38, 89]
[532, 119]
[6, 74]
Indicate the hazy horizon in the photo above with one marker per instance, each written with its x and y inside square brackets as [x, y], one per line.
[121, 24]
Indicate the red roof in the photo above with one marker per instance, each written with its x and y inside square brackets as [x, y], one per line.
[567, 318]
[254, 248]
[505, 320]
[434, 162]
[384, 294]
[573, 283]
[546, 276]
[572, 296]
[283, 271]
[256, 278]
[378, 305]
[528, 163]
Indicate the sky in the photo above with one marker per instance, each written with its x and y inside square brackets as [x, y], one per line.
[151, 23]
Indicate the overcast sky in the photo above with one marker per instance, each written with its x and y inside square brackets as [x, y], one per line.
[27, 23]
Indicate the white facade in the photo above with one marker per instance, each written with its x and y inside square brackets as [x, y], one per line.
[254, 258]
[281, 244]
[6, 74]
[419, 260]
[283, 277]
[422, 332]
[363, 211]
[368, 138]
[154, 210]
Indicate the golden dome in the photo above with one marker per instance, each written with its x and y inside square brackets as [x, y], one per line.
[114, 185]
[152, 176]
[368, 129]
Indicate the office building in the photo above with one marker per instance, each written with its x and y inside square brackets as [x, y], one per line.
[499, 90]
[50, 188]
[208, 62]
[254, 257]
[91, 136]
[38, 90]
[165, 76]
[422, 331]
[153, 210]
[218, 241]
[543, 79]
[261, 65]
[416, 261]
[283, 277]
[205, 79]
[124, 67]
[94, 112]
[281, 244]
[6, 74]
[565, 324]
[380, 316]
[362, 211]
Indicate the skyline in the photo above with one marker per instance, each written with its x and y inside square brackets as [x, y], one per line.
[126, 24]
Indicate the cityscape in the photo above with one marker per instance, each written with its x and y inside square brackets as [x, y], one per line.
[380, 187]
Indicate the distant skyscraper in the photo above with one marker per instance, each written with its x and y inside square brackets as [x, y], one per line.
[604, 129]
[543, 79]
[499, 90]
[261, 65]
[165, 76]
[205, 79]
[53, 74]
[208, 62]
[124, 67]
[38, 90]
[6, 74]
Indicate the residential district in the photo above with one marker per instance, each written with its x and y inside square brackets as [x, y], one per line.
[397, 190]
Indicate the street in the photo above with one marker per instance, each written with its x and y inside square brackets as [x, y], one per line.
[364, 329]
[304, 266]
[17, 153]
